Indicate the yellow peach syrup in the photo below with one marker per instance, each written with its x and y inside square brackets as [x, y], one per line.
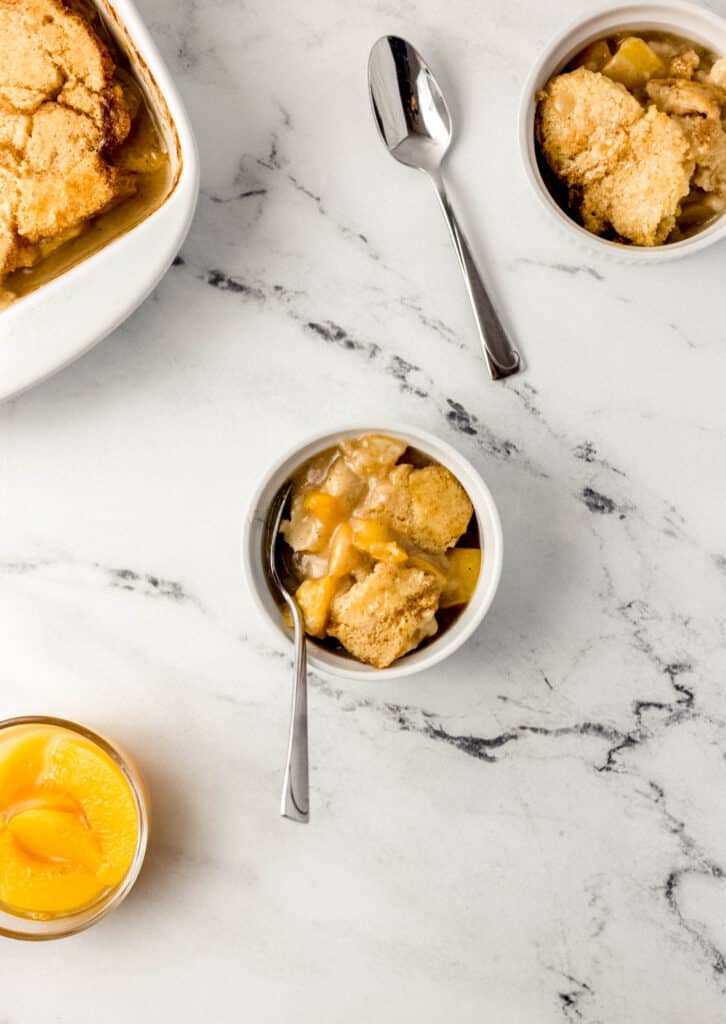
[69, 824]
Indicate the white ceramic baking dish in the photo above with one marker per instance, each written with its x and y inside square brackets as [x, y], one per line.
[49, 328]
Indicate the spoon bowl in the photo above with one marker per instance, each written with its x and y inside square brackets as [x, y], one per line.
[416, 127]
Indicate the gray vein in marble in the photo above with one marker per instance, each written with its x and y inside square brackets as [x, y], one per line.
[561, 268]
[410, 378]
[482, 748]
[586, 451]
[601, 504]
[488, 748]
[617, 740]
[334, 334]
[434, 324]
[229, 283]
[697, 863]
[413, 380]
[720, 562]
[275, 164]
[249, 193]
[571, 998]
[526, 393]
[407, 374]
[144, 584]
[465, 422]
[682, 336]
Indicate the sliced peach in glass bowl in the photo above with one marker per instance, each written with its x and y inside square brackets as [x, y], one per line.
[73, 827]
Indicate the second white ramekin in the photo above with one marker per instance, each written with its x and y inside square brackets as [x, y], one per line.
[683, 19]
[490, 532]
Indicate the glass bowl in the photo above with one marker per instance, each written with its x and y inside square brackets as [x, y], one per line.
[36, 927]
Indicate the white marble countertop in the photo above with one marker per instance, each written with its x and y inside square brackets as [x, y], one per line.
[533, 832]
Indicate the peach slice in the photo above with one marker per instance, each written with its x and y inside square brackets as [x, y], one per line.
[633, 63]
[372, 454]
[315, 598]
[55, 836]
[594, 57]
[464, 565]
[329, 509]
[42, 887]
[22, 755]
[369, 531]
[91, 777]
[416, 562]
[388, 551]
[344, 556]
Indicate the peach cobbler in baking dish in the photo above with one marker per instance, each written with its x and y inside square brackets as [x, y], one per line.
[631, 137]
[81, 158]
[383, 546]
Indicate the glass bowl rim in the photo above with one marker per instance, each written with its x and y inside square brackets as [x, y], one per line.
[62, 926]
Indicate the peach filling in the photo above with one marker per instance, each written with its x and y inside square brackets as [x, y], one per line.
[372, 541]
[68, 821]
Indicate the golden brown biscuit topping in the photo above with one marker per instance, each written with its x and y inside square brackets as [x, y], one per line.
[62, 115]
[635, 132]
[371, 543]
[387, 614]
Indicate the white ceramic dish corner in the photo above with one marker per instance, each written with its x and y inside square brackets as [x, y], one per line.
[490, 531]
[49, 328]
[684, 19]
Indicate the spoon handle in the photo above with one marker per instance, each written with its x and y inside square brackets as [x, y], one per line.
[295, 802]
[501, 357]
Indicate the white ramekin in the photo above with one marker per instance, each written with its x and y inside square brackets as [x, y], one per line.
[490, 531]
[684, 19]
[49, 328]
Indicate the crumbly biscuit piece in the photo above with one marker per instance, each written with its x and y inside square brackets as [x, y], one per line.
[64, 179]
[386, 614]
[642, 194]
[14, 130]
[428, 506]
[696, 107]
[342, 481]
[45, 46]
[717, 74]
[684, 64]
[679, 96]
[440, 508]
[628, 167]
[582, 121]
[707, 141]
[372, 454]
[388, 499]
[61, 116]
[304, 531]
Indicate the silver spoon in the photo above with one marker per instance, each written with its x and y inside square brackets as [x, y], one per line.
[295, 803]
[415, 125]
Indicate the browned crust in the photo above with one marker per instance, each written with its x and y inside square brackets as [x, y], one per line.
[144, 72]
[63, 115]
